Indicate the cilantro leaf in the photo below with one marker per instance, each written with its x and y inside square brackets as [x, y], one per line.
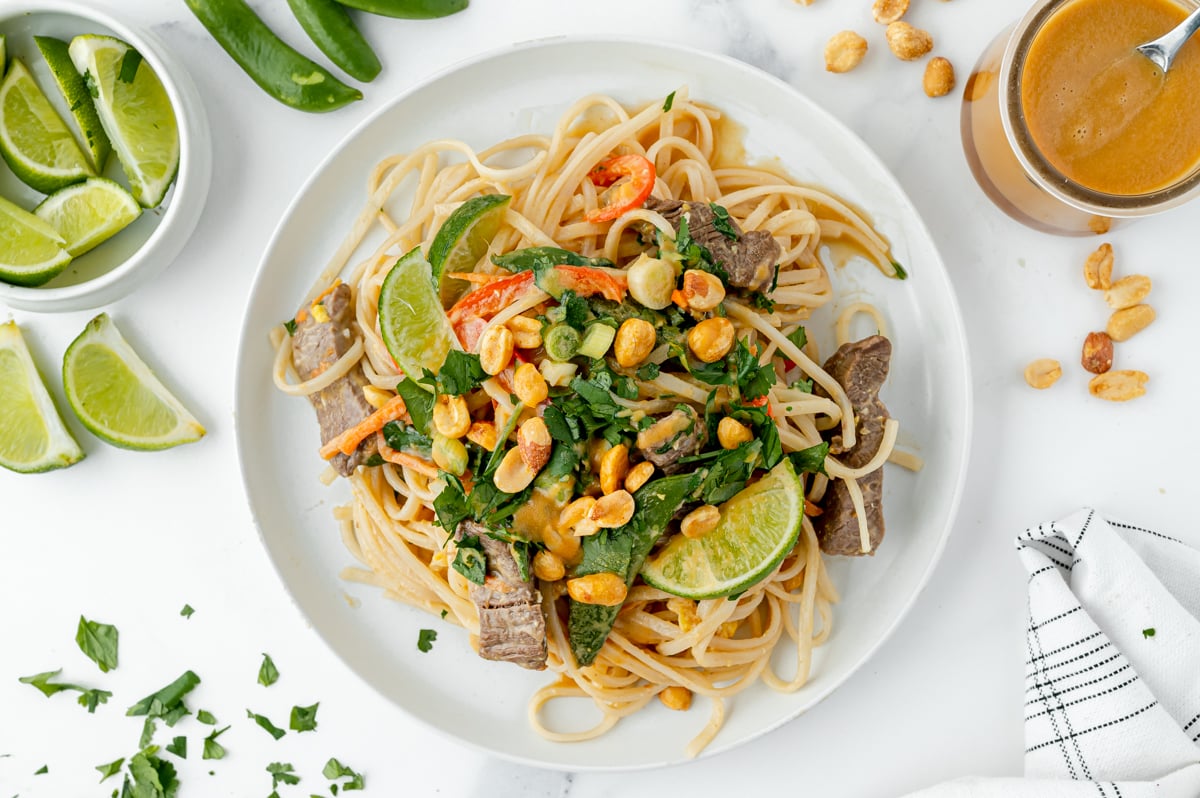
[722, 223]
[648, 371]
[268, 674]
[266, 725]
[418, 402]
[304, 718]
[901, 272]
[213, 749]
[88, 697]
[98, 641]
[402, 437]
[753, 379]
[336, 770]
[668, 102]
[575, 309]
[187, 611]
[451, 505]
[425, 640]
[148, 729]
[799, 337]
[167, 699]
[206, 717]
[282, 773]
[470, 561]
[42, 770]
[459, 374]
[545, 257]
[812, 459]
[563, 460]
[111, 769]
[178, 747]
[1148, 632]
[763, 302]
[560, 426]
[152, 777]
[290, 326]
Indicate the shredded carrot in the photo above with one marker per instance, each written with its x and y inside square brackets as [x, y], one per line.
[811, 509]
[349, 440]
[418, 464]
[327, 291]
[477, 277]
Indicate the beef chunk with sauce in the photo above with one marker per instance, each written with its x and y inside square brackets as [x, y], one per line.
[751, 260]
[676, 435]
[512, 627]
[317, 345]
[860, 368]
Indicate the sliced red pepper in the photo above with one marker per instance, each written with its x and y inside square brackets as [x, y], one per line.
[632, 180]
[586, 281]
[469, 314]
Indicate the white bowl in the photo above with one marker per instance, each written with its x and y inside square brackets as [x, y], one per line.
[150, 244]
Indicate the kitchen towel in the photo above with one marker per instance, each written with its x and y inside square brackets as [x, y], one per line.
[1112, 666]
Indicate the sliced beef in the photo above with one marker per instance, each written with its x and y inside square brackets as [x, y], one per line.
[511, 625]
[676, 435]
[860, 368]
[316, 345]
[750, 261]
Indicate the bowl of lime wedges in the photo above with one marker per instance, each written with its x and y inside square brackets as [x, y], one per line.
[105, 157]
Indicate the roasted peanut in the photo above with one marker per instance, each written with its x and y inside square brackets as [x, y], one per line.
[613, 510]
[703, 291]
[888, 11]
[451, 417]
[1097, 354]
[844, 51]
[685, 613]
[377, 397]
[1128, 291]
[575, 515]
[732, 433]
[605, 588]
[676, 697]
[1119, 386]
[614, 467]
[1043, 373]
[634, 343]
[529, 385]
[1097, 269]
[534, 442]
[548, 566]
[638, 475]
[906, 42]
[939, 77]
[566, 546]
[483, 433]
[711, 339]
[1128, 322]
[527, 332]
[513, 475]
[1100, 224]
[496, 349]
[700, 522]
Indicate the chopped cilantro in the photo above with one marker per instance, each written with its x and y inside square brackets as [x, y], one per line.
[545, 257]
[99, 642]
[290, 326]
[722, 223]
[282, 773]
[668, 102]
[425, 640]
[336, 770]
[268, 674]
[399, 436]
[148, 728]
[799, 337]
[445, 613]
[459, 374]
[111, 769]
[762, 302]
[41, 770]
[206, 717]
[812, 459]
[304, 718]
[648, 371]
[901, 273]
[266, 725]
[213, 749]
[451, 505]
[1148, 632]
[89, 698]
[470, 561]
[575, 309]
[178, 747]
[418, 402]
[187, 611]
[563, 460]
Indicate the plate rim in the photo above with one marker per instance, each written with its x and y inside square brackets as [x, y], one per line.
[955, 320]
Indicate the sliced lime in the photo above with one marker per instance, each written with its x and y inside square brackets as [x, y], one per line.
[89, 213]
[33, 437]
[135, 112]
[411, 319]
[758, 527]
[31, 250]
[70, 83]
[117, 397]
[462, 240]
[3, 53]
[34, 139]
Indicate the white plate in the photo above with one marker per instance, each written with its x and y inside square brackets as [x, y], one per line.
[524, 90]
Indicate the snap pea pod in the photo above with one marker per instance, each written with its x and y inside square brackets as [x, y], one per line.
[408, 9]
[329, 25]
[279, 70]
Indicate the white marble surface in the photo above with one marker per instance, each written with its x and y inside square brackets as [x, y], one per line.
[129, 538]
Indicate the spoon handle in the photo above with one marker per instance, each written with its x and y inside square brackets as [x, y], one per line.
[1162, 51]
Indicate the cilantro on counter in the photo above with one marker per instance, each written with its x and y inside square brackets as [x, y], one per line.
[187, 611]
[425, 640]
[265, 724]
[42, 770]
[212, 748]
[282, 773]
[206, 717]
[151, 777]
[98, 641]
[304, 718]
[268, 674]
[1148, 632]
[88, 697]
[167, 703]
[336, 770]
[178, 747]
[111, 769]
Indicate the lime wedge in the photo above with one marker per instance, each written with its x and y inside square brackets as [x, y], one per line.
[31, 250]
[33, 437]
[134, 111]
[89, 213]
[33, 138]
[758, 527]
[411, 320]
[3, 53]
[462, 240]
[117, 397]
[71, 84]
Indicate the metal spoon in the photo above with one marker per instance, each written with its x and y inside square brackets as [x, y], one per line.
[1162, 51]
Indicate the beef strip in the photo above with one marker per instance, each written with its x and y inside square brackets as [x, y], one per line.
[750, 261]
[860, 368]
[676, 435]
[512, 627]
[315, 347]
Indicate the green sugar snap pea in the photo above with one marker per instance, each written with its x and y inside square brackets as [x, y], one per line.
[281, 71]
[329, 25]
[408, 9]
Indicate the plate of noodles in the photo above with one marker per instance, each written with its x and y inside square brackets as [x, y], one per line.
[625, 369]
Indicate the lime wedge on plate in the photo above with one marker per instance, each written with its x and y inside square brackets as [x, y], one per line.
[758, 527]
[462, 240]
[117, 397]
[33, 138]
[31, 250]
[135, 112]
[88, 213]
[33, 437]
[411, 320]
[71, 84]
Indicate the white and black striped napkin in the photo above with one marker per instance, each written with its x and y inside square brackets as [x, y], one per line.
[1112, 657]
